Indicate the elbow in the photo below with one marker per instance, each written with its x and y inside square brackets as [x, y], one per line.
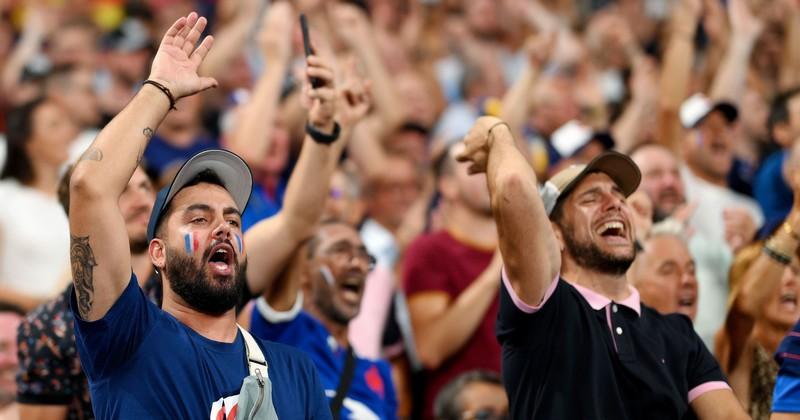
[429, 357]
[84, 184]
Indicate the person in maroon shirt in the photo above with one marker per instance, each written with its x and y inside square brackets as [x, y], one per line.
[451, 279]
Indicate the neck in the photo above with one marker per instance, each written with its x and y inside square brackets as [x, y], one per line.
[386, 225]
[612, 286]
[142, 267]
[45, 178]
[706, 176]
[221, 328]
[337, 331]
[481, 231]
[769, 335]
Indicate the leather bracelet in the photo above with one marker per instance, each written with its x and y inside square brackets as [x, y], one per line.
[489, 133]
[321, 137]
[164, 89]
[777, 256]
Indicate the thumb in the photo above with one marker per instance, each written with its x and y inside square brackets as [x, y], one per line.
[207, 83]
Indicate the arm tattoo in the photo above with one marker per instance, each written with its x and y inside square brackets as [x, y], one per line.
[92, 153]
[148, 132]
[83, 263]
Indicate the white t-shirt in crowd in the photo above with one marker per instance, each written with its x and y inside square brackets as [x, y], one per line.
[34, 241]
[711, 201]
[712, 261]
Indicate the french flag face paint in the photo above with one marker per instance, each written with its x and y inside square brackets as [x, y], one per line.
[190, 242]
[327, 275]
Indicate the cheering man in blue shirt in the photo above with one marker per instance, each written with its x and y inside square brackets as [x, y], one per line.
[188, 360]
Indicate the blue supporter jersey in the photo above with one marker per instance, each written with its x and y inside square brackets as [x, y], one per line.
[160, 156]
[786, 397]
[142, 363]
[371, 394]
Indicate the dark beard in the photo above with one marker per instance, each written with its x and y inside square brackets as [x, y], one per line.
[589, 255]
[197, 289]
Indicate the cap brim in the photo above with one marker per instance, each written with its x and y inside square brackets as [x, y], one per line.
[620, 168]
[230, 168]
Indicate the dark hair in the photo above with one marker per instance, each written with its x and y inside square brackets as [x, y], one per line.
[10, 307]
[206, 176]
[779, 111]
[63, 188]
[314, 240]
[447, 406]
[443, 163]
[19, 129]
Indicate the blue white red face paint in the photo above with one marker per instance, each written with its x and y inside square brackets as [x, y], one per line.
[190, 242]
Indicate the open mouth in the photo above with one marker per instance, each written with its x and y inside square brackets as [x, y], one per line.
[687, 301]
[221, 259]
[788, 301]
[613, 231]
[351, 288]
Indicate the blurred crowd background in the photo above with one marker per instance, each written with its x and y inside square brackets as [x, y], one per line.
[704, 95]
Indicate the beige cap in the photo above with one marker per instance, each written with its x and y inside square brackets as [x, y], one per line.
[617, 166]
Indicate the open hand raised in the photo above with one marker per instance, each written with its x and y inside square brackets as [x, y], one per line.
[176, 61]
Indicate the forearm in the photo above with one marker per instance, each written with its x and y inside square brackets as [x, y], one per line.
[230, 42]
[515, 108]
[729, 82]
[438, 339]
[366, 150]
[251, 139]
[385, 99]
[520, 216]
[628, 126]
[308, 186]
[673, 86]
[119, 147]
[790, 64]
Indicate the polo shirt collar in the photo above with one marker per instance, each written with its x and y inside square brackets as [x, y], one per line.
[598, 301]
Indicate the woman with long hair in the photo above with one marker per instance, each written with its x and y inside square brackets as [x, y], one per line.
[34, 232]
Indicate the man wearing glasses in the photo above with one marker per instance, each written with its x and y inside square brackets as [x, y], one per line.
[310, 307]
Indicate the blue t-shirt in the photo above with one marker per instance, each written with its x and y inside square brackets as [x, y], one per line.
[786, 397]
[261, 205]
[371, 394]
[771, 191]
[142, 363]
[161, 156]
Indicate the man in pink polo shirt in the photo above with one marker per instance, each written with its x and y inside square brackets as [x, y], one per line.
[577, 342]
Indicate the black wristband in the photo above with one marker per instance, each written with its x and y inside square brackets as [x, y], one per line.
[321, 137]
[164, 89]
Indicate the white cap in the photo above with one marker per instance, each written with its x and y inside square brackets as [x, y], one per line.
[698, 106]
[570, 137]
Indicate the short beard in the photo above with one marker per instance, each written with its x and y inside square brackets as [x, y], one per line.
[589, 255]
[197, 289]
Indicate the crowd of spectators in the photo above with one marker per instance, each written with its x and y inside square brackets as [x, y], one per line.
[703, 95]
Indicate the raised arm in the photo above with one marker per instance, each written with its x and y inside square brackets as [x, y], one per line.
[251, 137]
[676, 70]
[99, 250]
[275, 239]
[529, 248]
[729, 82]
[231, 38]
[790, 63]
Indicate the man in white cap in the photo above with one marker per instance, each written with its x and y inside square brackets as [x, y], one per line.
[577, 342]
[187, 359]
[721, 213]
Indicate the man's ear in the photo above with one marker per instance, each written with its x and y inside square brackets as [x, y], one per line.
[781, 132]
[158, 253]
[559, 235]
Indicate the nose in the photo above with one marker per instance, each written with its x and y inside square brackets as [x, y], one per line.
[223, 230]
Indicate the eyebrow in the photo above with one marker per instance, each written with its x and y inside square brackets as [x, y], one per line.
[200, 207]
[231, 210]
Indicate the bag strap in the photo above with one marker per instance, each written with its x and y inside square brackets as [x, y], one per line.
[344, 383]
[255, 357]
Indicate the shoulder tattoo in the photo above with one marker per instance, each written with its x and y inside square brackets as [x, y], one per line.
[83, 263]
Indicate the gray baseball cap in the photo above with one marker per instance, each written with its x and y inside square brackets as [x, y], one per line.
[617, 166]
[229, 167]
